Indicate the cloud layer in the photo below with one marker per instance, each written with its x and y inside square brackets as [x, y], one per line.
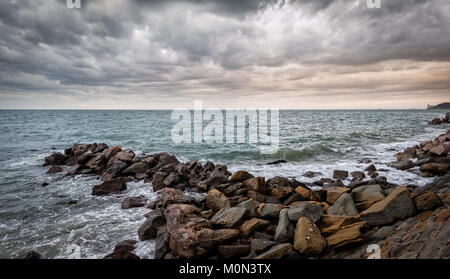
[163, 54]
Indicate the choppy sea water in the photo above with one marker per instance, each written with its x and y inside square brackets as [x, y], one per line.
[39, 218]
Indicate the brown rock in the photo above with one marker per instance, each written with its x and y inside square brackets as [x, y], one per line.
[397, 205]
[240, 176]
[427, 201]
[346, 235]
[333, 193]
[216, 200]
[229, 217]
[54, 169]
[340, 174]
[233, 251]
[307, 238]
[112, 186]
[256, 184]
[303, 192]
[249, 226]
[133, 202]
[281, 192]
[438, 150]
[269, 210]
[276, 252]
[331, 224]
[434, 168]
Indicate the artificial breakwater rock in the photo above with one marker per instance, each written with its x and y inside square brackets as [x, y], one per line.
[242, 216]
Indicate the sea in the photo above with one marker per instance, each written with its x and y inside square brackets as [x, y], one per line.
[38, 218]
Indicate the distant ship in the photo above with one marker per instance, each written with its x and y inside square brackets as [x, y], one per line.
[440, 106]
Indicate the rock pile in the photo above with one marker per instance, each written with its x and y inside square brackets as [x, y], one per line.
[443, 120]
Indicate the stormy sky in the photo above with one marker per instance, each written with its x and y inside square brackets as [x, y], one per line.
[312, 54]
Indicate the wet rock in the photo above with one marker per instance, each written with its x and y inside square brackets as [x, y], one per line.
[281, 192]
[161, 243]
[309, 210]
[368, 193]
[229, 188]
[344, 205]
[397, 205]
[256, 184]
[249, 226]
[240, 176]
[311, 174]
[55, 159]
[73, 202]
[284, 229]
[54, 169]
[370, 168]
[32, 255]
[208, 238]
[403, 165]
[276, 162]
[333, 193]
[229, 217]
[278, 181]
[340, 174]
[216, 178]
[331, 224]
[427, 201]
[74, 169]
[276, 252]
[216, 200]
[114, 170]
[438, 150]
[356, 183]
[123, 250]
[149, 229]
[308, 239]
[233, 251]
[357, 175]
[134, 202]
[174, 196]
[108, 187]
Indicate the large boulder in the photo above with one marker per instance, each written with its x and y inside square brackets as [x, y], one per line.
[368, 193]
[217, 177]
[344, 205]
[269, 210]
[309, 210]
[138, 167]
[340, 174]
[249, 226]
[331, 224]
[278, 181]
[284, 228]
[55, 159]
[256, 184]
[230, 217]
[334, 192]
[347, 235]
[434, 168]
[308, 239]
[174, 196]
[397, 205]
[149, 229]
[114, 170]
[250, 205]
[438, 150]
[133, 202]
[240, 176]
[216, 200]
[108, 187]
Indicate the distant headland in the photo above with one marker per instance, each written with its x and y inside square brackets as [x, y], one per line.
[440, 106]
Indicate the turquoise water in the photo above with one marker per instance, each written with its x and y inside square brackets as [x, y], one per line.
[39, 218]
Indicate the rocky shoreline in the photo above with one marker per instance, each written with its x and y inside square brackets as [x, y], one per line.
[242, 216]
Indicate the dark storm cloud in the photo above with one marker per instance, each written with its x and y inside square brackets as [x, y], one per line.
[161, 47]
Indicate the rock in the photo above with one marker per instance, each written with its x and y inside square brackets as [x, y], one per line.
[249, 226]
[161, 243]
[250, 205]
[111, 186]
[356, 183]
[344, 205]
[174, 196]
[340, 174]
[333, 193]
[304, 193]
[403, 165]
[438, 150]
[158, 180]
[370, 168]
[276, 252]
[114, 170]
[54, 169]
[55, 159]
[435, 121]
[210, 238]
[74, 169]
[276, 162]
[307, 238]
[309, 210]
[346, 235]
[397, 205]
[138, 167]
[121, 255]
[216, 200]
[240, 176]
[149, 229]
[229, 188]
[281, 192]
[331, 224]
[269, 210]
[32, 255]
[357, 175]
[259, 245]
[216, 178]
[134, 202]
[229, 217]
[83, 158]
[284, 229]
[427, 201]
[368, 193]
[123, 250]
[311, 174]
[439, 169]
[256, 184]
[278, 181]
[233, 251]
